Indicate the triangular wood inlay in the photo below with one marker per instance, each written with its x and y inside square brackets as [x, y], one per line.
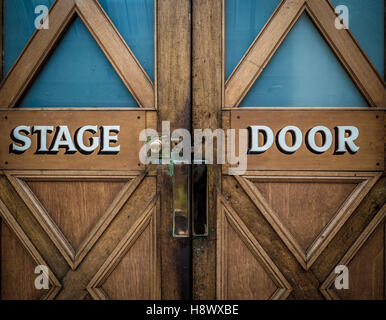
[365, 261]
[75, 218]
[130, 272]
[247, 278]
[74, 210]
[305, 218]
[367, 270]
[244, 269]
[17, 269]
[307, 211]
[131, 278]
[19, 258]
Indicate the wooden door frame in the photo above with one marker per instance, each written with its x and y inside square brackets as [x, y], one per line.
[27, 218]
[174, 105]
[207, 99]
[190, 37]
[214, 98]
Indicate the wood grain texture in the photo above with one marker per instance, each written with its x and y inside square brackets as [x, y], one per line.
[247, 279]
[74, 256]
[305, 208]
[207, 84]
[244, 270]
[131, 279]
[86, 202]
[76, 281]
[32, 228]
[261, 51]
[349, 53]
[17, 269]
[1, 38]
[370, 124]
[365, 261]
[174, 105]
[307, 257]
[86, 193]
[303, 283]
[131, 123]
[350, 231]
[367, 270]
[27, 254]
[132, 270]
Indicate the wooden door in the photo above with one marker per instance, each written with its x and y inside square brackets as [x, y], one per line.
[102, 223]
[97, 219]
[279, 230]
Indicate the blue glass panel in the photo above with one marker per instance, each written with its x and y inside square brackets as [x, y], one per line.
[244, 21]
[18, 26]
[77, 75]
[304, 72]
[134, 19]
[367, 24]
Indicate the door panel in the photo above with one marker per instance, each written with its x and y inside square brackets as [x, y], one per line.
[16, 283]
[103, 223]
[174, 105]
[92, 217]
[292, 220]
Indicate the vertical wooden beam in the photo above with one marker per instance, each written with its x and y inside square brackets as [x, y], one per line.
[174, 105]
[1, 77]
[1, 39]
[207, 89]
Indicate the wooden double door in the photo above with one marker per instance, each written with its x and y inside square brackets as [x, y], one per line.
[102, 223]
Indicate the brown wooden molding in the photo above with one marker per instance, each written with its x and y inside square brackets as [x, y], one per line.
[42, 42]
[73, 258]
[207, 94]
[342, 42]
[303, 282]
[28, 245]
[350, 254]
[174, 105]
[75, 281]
[1, 39]
[306, 258]
[226, 215]
[148, 219]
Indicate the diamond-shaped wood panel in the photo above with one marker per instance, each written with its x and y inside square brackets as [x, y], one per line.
[244, 270]
[130, 272]
[91, 203]
[18, 263]
[307, 211]
[365, 261]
